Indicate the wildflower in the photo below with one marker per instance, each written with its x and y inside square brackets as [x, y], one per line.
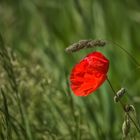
[89, 74]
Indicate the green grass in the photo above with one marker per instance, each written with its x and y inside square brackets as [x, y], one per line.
[36, 102]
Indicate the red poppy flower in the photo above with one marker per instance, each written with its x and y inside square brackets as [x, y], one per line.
[88, 75]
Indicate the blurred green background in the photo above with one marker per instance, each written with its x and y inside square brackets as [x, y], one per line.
[36, 102]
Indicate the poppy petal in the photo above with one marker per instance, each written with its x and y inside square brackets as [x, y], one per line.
[89, 74]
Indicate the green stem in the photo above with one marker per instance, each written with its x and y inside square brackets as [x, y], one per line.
[123, 106]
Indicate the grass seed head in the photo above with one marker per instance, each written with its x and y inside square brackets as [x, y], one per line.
[82, 44]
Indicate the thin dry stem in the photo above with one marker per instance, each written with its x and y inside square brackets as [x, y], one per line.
[128, 53]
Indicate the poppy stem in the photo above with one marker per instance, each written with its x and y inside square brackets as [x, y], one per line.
[114, 92]
[128, 53]
[123, 106]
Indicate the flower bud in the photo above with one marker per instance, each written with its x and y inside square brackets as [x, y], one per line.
[126, 127]
[119, 94]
